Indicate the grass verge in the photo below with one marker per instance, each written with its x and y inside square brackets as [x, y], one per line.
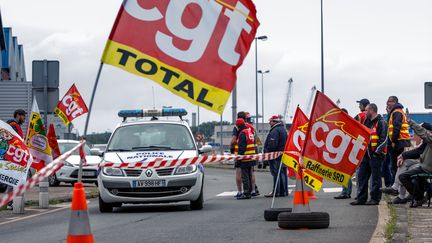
[391, 223]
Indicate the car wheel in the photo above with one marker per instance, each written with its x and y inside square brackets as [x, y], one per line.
[52, 180]
[105, 207]
[199, 203]
[272, 214]
[309, 220]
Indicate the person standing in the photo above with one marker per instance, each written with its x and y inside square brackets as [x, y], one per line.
[246, 146]
[361, 117]
[398, 134]
[370, 168]
[19, 119]
[275, 142]
[234, 150]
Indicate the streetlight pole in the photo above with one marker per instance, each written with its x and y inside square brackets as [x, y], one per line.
[263, 38]
[322, 50]
[262, 93]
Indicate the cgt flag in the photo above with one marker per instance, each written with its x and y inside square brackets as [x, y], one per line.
[37, 142]
[71, 106]
[193, 48]
[293, 149]
[15, 157]
[52, 141]
[335, 142]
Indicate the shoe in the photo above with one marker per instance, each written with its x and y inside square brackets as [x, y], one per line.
[409, 198]
[254, 194]
[238, 194]
[416, 204]
[371, 202]
[269, 195]
[357, 202]
[398, 200]
[342, 197]
[390, 191]
[244, 196]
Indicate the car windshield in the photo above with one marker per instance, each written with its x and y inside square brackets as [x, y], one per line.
[64, 147]
[151, 137]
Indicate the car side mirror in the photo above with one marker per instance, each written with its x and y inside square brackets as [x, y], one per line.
[205, 149]
[96, 151]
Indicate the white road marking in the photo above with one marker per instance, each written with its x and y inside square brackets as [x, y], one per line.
[227, 194]
[35, 215]
[332, 189]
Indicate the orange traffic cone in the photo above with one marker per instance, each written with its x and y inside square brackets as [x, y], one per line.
[79, 224]
[301, 199]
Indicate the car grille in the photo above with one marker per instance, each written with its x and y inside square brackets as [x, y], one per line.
[149, 192]
[133, 173]
[74, 174]
[164, 172]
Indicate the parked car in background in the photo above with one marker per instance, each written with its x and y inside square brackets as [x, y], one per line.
[69, 172]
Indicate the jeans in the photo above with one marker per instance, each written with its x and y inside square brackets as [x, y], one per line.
[346, 191]
[407, 182]
[369, 168]
[282, 187]
[394, 153]
[386, 171]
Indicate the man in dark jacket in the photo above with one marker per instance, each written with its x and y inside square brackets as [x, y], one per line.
[372, 161]
[397, 132]
[19, 119]
[425, 163]
[275, 142]
[246, 146]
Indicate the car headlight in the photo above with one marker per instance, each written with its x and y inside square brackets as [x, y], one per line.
[187, 169]
[65, 163]
[112, 171]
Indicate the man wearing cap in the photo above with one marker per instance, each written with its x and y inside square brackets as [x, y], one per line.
[246, 146]
[361, 117]
[425, 164]
[275, 142]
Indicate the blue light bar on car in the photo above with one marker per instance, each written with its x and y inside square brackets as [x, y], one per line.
[153, 112]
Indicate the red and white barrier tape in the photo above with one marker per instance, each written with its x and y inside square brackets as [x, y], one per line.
[158, 163]
[38, 177]
[206, 159]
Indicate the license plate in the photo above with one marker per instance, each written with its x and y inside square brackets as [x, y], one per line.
[149, 183]
[89, 173]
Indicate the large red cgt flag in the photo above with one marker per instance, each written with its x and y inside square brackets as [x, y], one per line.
[294, 147]
[193, 48]
[71, 106]
[335, 143]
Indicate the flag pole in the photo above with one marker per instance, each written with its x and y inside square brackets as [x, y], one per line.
[89, 113]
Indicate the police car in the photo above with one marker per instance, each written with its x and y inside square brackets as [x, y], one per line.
[144, 136]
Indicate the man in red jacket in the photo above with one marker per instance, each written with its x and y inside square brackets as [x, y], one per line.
[19, 119]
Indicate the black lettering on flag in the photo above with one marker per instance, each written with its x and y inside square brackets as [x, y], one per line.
[125, 56]
[186, 86]
[201, 97]
[168, 75]
[139, 66]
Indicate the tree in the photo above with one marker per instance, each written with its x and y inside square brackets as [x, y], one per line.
[207, 128]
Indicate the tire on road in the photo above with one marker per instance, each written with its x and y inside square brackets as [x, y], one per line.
[105, 207]
[271, 214]
[310, 220]
[52, 180]
[199, 203]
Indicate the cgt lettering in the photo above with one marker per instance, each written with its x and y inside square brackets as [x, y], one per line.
[148, 67]
[18, 155]
[72, 108]
[334, 154]
[198, 35]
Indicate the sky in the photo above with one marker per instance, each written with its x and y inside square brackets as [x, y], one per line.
[372, 49]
